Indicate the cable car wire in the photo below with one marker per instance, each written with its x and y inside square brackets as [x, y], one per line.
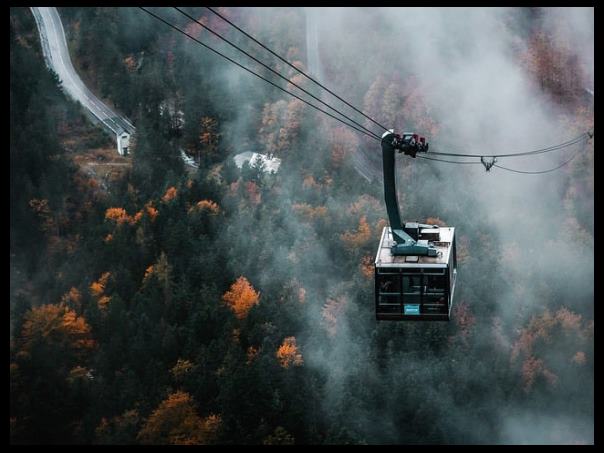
[296, 68]
[584, 136]
[272, 70]
[257, 75]
[448, 161]
[526, 153]
[542, 171]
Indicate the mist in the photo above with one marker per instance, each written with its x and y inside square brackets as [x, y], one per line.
[515, 363]
[467, 62]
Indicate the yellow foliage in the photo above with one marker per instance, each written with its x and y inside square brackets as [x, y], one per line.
[359, 238]
[288, 353]
[241, 297]
[170, 194]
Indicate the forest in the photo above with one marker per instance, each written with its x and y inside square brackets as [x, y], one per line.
[234, 306]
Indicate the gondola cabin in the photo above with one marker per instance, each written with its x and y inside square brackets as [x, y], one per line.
[413, 288]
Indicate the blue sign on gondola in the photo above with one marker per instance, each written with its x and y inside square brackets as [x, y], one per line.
[412, 309]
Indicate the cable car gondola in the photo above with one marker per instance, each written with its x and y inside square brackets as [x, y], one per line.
[415, 265]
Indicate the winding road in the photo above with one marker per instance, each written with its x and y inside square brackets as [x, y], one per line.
[56, 56]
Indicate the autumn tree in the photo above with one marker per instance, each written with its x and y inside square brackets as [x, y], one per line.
[360, 237]
[176, 422]
[209, 137]
[288, 353]
[56, 325]
[241, 297]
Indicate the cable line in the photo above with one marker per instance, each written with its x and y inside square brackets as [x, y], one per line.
[539, 172]
[527, 153]
[448, 161]
[257, 75]
[272, 70]
[296, 68]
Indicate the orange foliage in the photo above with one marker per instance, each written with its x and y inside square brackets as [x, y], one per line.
[108, 238]
[343, 143]
[541, 328]
[367, 266]
[206, 205]
[118, 215]
[56, 324]
[148, 272]
[97, 288]
[73, 298]
[280, 125]
[308, 212]
[208, 136]
[176, 422]
[288, 353]
[357, 239]
[365, 204]
[170, 194]
[241, 297]
[103, 302]
[151, 212]
[332, 309]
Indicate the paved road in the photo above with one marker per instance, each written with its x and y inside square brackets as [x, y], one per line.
[56, 56]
